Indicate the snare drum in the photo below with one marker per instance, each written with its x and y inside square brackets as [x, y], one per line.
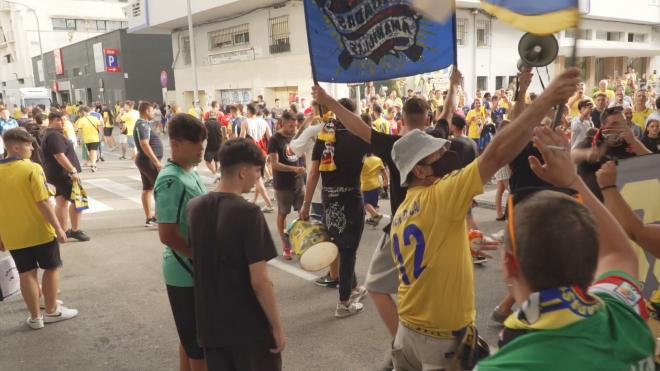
[311, 243]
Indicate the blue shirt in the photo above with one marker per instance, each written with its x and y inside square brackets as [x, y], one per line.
[6, 125]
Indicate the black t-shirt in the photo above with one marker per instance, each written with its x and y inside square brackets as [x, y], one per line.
[227, 234]
[53, 143]
[349, 152]
[284, 180]
[522, 175]
[213, 135]
[440, 130]
[595, 118]
[466, 149]
[143, 131]
[653, 144]
[587, 171]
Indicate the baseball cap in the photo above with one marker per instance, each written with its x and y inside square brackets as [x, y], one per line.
[413, 148]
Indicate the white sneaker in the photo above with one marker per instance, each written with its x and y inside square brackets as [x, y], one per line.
[267, 209]
[352, 308]
[61, 314]
[35, 324]
[358, 294]
[42, 303]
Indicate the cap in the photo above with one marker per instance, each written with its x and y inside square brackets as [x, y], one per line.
[413, 148]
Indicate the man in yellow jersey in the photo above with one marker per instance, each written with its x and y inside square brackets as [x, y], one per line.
[577, 98]
[380, 124]
[640, 111]
[430, 236]
[128, 120]
[90, 132]
[602, 89]
[476, 119]
[30, 230]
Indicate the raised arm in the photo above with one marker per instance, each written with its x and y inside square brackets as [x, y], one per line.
[349, 119]
[513, 137]
[615, 252]
[448, 108]
[524, 79]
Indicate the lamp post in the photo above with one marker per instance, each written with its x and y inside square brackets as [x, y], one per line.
[191, 37]
[41, 50]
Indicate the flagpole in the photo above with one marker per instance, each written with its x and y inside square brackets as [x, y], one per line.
[572, 61]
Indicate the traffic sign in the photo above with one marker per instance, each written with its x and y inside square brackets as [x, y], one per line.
[112, 60]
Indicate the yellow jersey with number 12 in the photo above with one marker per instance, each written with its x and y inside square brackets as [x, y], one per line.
[431, 248]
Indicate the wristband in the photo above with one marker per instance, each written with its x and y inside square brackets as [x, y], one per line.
[607, 187]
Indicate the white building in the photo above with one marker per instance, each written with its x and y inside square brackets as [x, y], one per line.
[61, 22]
[245, 48]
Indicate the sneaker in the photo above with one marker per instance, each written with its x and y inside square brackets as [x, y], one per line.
[102, 159]
[287, 254]
[370, 221]
[93, 168]
[388, 365]
[61, 314]
[42, 304]
[377, 219]
[476, 259]
[122, 158]
[357, 294]
[151, 223]
[267, 209]
[352, 308]
[78, 235]
[327, 281]
[499, 315]
[35, 324]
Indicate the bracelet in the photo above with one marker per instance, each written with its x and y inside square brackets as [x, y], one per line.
[607, 187]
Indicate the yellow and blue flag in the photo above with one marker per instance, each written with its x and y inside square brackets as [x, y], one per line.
[372, 40]
[538, 17]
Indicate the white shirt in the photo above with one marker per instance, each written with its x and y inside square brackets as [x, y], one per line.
[579, 129]
[304, 145]
[256, 128]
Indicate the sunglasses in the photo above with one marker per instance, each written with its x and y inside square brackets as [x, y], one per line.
[523, 194]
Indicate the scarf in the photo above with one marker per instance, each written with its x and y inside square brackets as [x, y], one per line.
[550, 309]
[327, 135]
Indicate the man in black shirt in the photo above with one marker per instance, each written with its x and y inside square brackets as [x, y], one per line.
[287, 176]
[337, 157]
[601, 104]
[62, 168]
[214, 139]
[150, 152]
[238, 322]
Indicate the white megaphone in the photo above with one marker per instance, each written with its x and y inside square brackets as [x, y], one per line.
[536, 51]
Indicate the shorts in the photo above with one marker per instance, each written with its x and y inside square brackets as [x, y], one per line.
[107, 132]
[92, 146]
[123, 139]
[503, 174]
[383, 274]
[371, 197]
[415, 351]
[182, 302]
[131, 141]
[212, 155]
[289, 198]
[148, 172]
[317, 212]
[45, 256]
[63, 187]
[247, 357]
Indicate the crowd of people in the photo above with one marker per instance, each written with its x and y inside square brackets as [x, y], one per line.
[573, 297]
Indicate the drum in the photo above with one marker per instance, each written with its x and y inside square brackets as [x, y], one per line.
[311, 243]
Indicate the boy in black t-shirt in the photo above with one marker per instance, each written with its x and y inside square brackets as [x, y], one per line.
[238, 322]
[287, 176]
[150, 152]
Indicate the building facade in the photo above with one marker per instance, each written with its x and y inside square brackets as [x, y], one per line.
[109, 68]
[259, 47]
[56, 23]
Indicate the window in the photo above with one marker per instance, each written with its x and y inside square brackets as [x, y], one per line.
[100, 25]
[124, 24]
[8, 58]
[113, 25]
[610, 35]
[228, 37]
[278, 29]
[3, 38]
[636, 37]
[499, 82]
[63, 24]
[461, 31]
[483, 33]
[482, 83]
[186, 51]
[582, 35]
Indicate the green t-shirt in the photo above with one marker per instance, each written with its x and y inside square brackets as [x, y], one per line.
[615, 338]
[173, 190]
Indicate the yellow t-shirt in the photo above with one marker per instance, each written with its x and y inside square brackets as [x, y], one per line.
[575, 112]
[130, 118]
[610, 94]
[472, 120]
[382, 126]
[89, 126]
[18, 114]
[639, 117]
[70, 110]
[192, 111]
[431, 247]
[370, 170]
[107, 123]
[69, 131]
[23, 185]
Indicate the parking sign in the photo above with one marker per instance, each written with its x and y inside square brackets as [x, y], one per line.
[112, 60]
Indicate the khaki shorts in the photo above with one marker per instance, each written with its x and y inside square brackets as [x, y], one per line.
[383, 274]
[288, 199]
[413, 351]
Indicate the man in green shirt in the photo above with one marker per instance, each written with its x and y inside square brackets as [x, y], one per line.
[567, 320]
[176, 185]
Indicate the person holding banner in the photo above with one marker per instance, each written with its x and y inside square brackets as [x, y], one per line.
[568, 321]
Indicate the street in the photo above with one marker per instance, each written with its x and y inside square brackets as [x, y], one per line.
[125, 322]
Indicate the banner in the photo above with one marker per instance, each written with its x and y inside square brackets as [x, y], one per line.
[537, 17]
[638, 180]
[99, 64]
[373, 40]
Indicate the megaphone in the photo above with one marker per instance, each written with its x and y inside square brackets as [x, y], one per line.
[536, 51]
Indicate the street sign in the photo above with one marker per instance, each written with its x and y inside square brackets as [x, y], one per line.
[163, 79]
[112, 60]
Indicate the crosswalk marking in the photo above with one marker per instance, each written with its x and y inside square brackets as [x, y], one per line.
[118, 189]
[205, 179]
[96, 206]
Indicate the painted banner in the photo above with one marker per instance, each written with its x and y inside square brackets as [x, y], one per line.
[99, 63]
[59, 63]
[372, 40]
[112, 60]
[638, 180]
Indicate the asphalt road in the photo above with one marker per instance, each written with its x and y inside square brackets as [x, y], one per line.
[125, 321]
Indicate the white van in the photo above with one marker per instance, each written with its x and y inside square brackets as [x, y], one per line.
[34, 96]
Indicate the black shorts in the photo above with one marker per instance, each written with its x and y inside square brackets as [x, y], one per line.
[182, 302]
[250, 357]
[148, 172]
[371, 197]
[287, 199]
[63, 186]
[212, 155]
[92, 146]
[44, 256]
[107, 132]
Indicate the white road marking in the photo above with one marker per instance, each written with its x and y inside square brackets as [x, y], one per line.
[205, 179]
[118, 189]
[292, 270]
[96, 206]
